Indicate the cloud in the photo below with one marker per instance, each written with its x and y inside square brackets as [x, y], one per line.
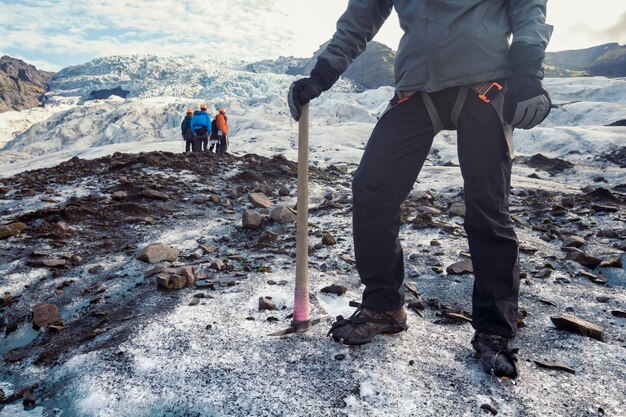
[246, 29]
[618, 30]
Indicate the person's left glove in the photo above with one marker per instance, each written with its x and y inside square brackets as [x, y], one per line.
[323, 76]
[526, 103]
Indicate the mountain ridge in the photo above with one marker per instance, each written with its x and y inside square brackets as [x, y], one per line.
[22, 85]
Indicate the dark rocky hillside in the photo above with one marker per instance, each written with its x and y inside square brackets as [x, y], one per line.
[608, 60]
[22, 85]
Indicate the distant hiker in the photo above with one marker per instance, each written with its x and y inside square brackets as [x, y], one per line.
[454, 70]
[185, 128]
[201, 128]
[214, 141]
[222, 130]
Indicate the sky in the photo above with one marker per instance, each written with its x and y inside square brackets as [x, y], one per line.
[53, 34]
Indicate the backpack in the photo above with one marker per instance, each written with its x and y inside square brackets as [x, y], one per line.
[201, 131]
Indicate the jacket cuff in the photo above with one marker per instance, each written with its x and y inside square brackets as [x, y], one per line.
[324, 74]
[527, 59]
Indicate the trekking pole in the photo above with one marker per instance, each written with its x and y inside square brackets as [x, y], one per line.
[301, 312]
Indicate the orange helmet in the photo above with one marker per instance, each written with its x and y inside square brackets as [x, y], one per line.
[189, 111]
[222, 110]
[203, 107]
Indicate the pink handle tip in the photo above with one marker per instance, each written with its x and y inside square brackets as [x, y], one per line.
[301, 304]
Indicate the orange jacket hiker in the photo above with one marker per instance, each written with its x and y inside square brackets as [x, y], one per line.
[222, 121]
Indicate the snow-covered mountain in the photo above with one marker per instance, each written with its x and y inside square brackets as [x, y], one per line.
[160, 88]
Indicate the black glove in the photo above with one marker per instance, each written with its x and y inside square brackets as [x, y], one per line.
[526, 103]
[323, 76]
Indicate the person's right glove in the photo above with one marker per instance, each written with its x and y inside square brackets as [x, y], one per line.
[323, 76]
[526, 103]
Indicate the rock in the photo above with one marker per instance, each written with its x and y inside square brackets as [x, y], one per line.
[348, 259]
[619, 313]
[553, 364]
[457, 209]
[612, 262]
[574, 242]
[176, 278]
[157, 252]
[154, 194]
[6, 300]
[251, 219]
[217, 264]
[45, 314]
[259, 200]
[287, 169]
[584, 259]
[328, 239]
[170, 282]
[29, 403]
[602, 208]
[603, 299]
[596, 279]
[489, 409]
[417, 305]
[334, 289]
[54, 262]
[571, 323]
[208, 248]
[194, 301]
[283, 215]
[547, 301]
[119, 195]
[189, 274]
[460, 268]
[551, 165]
[429, 210]
[12, 229]
[12, 356]
[284, 191]
[154, 271]
[47, 199]
[543, 273]
[340, 356]
[265, 303]
[416, 196]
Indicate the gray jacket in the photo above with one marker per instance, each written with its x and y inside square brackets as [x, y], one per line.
[446, 43]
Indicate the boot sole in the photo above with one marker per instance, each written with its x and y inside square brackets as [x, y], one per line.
[364, 342]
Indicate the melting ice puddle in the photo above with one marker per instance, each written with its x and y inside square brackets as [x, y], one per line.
[17, 410]
[19, 338]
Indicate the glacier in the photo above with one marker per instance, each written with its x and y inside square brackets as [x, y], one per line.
[213, 361]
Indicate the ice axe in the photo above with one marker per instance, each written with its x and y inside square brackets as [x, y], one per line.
[301, 313]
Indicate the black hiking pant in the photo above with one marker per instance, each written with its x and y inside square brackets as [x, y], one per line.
[204, 144]
[222, 147]
[393, 157]
[188, 145]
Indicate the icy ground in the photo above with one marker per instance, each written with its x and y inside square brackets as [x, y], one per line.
[160, 356]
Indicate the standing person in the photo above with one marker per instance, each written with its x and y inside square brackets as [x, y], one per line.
[222, 130]
[185, 128]
[201, 128]
[456, 70]
[214, 140]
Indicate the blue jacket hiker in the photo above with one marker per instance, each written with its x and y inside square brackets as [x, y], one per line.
[201, 128]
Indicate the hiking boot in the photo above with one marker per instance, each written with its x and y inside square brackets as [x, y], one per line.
[364, 324]
[496, 355]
